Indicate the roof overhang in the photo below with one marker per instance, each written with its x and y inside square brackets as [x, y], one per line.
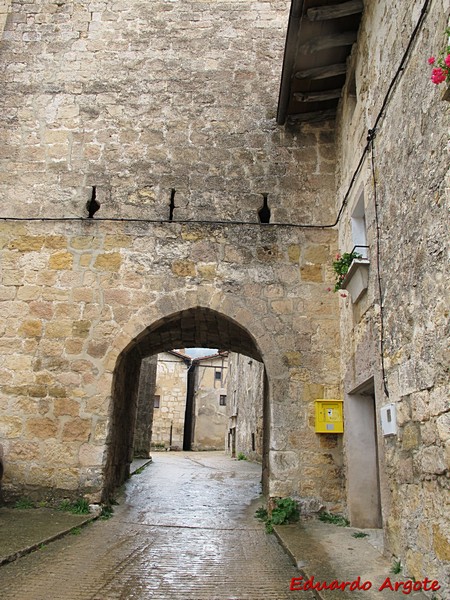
[319, 40]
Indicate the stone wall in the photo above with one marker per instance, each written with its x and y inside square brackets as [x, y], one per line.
[145, 404]
[171, 387]
[407, 210]
[245, 393]
[4, 8]
[83, 302]
[141, 99]
[210, 419]
[137, 100]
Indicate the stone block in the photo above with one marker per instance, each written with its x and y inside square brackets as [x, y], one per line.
[60, 329]
[42, 428]
[66, 406]
[292, 359]
[40, 475]
[183, 268]
[23, 451]
[441, 543]
[117, 241]
[55, 453]
[110, 261]
[90, 455]
[55, 242]
[316, 255]
[27, 243]
[31, 328]
[66, 479]
[411, 436]
[10, 427]
[76, 430]
[443, 427]
[311, 273]
[433, 460]
[282, 307]
[81, 328]
[82, 242]
[61, 260]
[28, 292]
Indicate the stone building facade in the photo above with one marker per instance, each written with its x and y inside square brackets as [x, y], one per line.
[169, 400]
[163, 114]
[209, 402]
[393, 338]
[245, 409]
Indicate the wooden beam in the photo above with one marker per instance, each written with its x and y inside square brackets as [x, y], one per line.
[328, 41]
[311, 117]
[322, 72]
[317, 96]
[335, 11]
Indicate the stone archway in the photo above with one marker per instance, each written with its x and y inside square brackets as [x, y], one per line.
[194, 327]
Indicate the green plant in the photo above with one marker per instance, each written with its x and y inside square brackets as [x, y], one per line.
[261, 514]
[284, 511]
[360, 534]
[396, 566]
[338, 520]
[241, 456]
[341, 266]
[75, 531]
[24, 503]
[107, 512]
[79, 507]
[139, 471]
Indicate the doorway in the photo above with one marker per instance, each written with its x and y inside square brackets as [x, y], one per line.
[196, 327]
[361, 444]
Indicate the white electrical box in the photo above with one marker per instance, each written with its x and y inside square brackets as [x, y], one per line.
[388, 415]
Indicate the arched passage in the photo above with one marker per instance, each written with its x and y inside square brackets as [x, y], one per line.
[194, 327]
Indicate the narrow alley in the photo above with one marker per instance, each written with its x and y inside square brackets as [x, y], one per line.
[184, 530]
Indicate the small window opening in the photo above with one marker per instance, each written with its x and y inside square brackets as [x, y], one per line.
[264, 211]
[172, 204]
[359, 233]
[92, 205]
[253, 442]
[222, 400]
[156, 401]
[218, 375]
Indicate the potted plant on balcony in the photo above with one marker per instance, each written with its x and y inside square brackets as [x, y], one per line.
[352, 274]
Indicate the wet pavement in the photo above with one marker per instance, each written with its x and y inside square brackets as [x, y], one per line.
[184, 530]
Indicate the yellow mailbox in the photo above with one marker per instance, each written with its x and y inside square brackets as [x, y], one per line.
[329, 416]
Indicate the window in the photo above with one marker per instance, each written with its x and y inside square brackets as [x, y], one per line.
[359, 228]
[156, 401]
[218, 375]
[222, 400]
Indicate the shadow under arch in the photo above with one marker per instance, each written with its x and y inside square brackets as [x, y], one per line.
[194, 327]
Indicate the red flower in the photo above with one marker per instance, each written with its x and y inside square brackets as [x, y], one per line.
[438, 75]
[431, 60]
[447, 60]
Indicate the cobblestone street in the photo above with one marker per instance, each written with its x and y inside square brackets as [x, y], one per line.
[184, 530]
